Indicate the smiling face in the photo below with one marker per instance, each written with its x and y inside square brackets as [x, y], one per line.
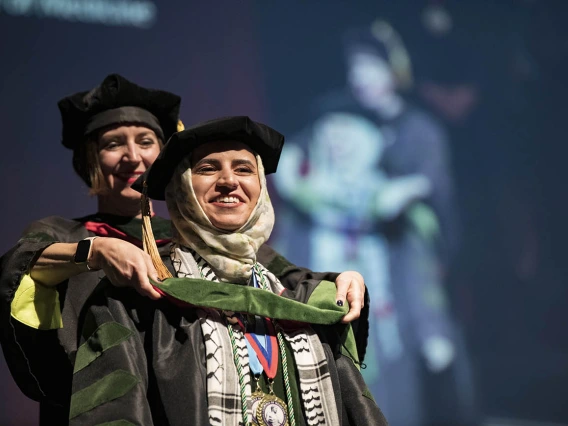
[125, 152]
[225, 179]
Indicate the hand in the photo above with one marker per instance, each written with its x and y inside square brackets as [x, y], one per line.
[351, 287]
[398, 193]
[124, 264]
[439, 353]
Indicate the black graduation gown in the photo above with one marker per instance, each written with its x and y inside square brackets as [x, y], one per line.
[151, 368]
[39, 360]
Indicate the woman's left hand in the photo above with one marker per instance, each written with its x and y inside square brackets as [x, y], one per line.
[351, 287]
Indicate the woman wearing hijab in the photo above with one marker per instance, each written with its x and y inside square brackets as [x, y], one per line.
[228, 344]
[116, 131]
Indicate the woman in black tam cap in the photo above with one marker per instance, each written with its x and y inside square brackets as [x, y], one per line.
[228, 345]
[116, 131]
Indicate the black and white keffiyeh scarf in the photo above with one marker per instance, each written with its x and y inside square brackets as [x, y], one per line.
[223, 387]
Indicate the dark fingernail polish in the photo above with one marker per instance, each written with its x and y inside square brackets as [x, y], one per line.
[339, 303]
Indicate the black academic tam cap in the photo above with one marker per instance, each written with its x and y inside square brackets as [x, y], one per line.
[117, 100]
[262, 139]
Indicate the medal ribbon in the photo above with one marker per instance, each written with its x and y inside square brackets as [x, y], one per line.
[268, 357]
[262, 345]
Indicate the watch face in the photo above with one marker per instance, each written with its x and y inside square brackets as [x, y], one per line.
[82, 253]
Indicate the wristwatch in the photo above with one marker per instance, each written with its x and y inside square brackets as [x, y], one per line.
[83, 251]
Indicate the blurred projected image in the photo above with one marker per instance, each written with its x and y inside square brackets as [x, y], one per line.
[125, 13]
[366, 187]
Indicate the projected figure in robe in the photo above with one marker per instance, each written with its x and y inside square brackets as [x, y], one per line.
[333, 177]
[366, 186]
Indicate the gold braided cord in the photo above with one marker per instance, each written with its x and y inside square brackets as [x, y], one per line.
[242, 384]
[289, 402]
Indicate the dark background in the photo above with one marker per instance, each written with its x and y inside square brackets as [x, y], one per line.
[269, 60]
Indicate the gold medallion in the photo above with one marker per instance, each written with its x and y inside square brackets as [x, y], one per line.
[272, 411]
[255, 398]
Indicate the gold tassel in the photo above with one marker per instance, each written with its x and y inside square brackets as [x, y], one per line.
[180, 126]
[148, 240]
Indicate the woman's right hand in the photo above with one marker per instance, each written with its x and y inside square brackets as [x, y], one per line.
[124, 264]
